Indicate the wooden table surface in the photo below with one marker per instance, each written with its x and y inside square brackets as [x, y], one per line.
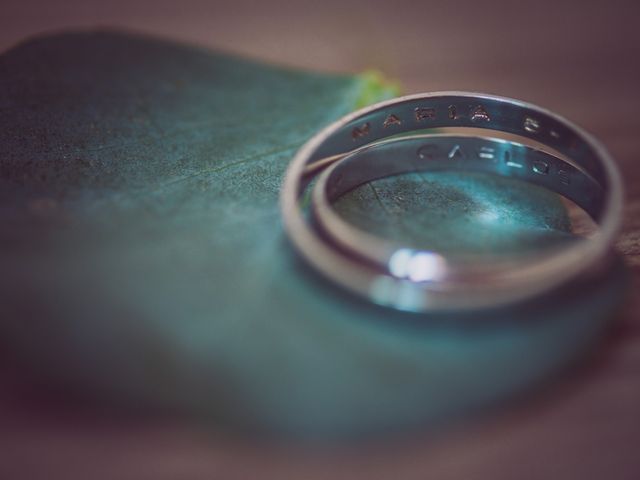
[580, 59]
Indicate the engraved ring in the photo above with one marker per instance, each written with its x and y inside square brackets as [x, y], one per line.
[352, 151]
[433, 153]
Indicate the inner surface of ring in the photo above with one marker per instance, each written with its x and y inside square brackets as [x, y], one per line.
[463, 153]
[475, 112]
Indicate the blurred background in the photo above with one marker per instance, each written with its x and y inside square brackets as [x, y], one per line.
[580, 59]
[530, 49]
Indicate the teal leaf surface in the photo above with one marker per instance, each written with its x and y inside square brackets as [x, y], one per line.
[144, 260]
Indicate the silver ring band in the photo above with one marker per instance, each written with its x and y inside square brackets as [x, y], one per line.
[431, 153]
[588, 159]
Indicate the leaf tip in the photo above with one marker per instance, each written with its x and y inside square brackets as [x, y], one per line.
[375, 88]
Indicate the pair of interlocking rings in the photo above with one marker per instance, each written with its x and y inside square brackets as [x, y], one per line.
[385, 140]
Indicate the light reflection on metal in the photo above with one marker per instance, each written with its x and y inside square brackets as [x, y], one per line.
[417, 266]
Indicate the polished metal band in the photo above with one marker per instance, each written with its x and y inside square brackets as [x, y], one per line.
[433, 153]
[583, 171]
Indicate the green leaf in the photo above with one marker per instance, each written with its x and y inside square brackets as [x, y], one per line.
[144, 260]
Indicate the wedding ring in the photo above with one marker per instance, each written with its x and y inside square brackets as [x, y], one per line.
[581, 170]
[440, 152]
